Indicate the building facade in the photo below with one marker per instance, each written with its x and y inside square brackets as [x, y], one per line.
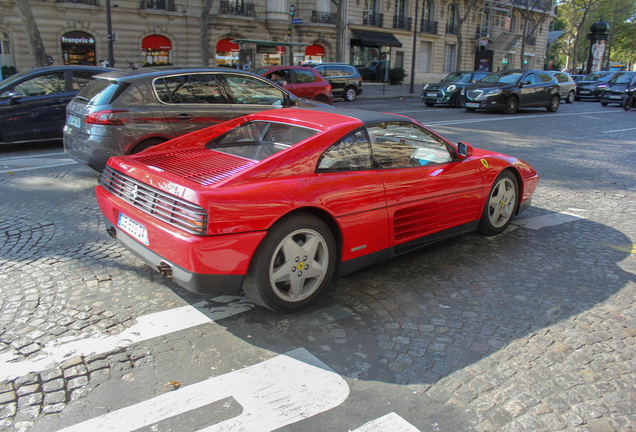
[168, 32]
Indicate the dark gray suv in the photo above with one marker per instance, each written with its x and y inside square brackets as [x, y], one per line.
[125, 112]
[345, 80]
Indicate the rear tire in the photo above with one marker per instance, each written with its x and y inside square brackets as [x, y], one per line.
[570, 98]
[350, 94]
[146, 144]
[293, 265]
[501, 205]
[512, 105]
[322, 98]
[554, 104]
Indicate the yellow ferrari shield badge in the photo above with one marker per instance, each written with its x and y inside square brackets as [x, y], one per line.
[484, 162]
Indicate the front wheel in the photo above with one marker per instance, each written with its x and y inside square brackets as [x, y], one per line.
[554, 104]
[627, 103]
[293, 265]
[570, 98]
[350, 94]
[512, 105]
[501, 205]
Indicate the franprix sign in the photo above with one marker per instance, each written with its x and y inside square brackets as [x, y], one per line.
[78, 38]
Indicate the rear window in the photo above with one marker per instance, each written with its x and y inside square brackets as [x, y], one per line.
[101, 92]
[258, 140]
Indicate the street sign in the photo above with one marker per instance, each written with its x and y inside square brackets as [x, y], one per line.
[297, 21]
[292, 9]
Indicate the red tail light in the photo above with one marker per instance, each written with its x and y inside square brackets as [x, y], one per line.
[329, 89]
[106, 117]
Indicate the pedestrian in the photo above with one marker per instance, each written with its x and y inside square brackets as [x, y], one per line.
[103, 63]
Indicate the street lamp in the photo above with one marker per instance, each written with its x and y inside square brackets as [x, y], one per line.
[414, 52]
[109, 36]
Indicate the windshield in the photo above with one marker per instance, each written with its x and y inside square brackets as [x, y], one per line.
[595, 76]
[507, 77]
[457, 77]
[621, 78]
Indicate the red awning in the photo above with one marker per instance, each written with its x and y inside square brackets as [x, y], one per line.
[156, 42]
[280, 49]
[226, 45]
[314, 50]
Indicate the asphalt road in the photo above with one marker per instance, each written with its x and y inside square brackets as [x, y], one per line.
[533, 329]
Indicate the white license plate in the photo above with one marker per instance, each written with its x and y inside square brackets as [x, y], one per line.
[614, 97]
[472, 105]
[431, 94]
[584, 91]
[135, 229]
[74, 121]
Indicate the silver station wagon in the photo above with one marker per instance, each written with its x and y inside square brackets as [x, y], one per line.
[126, 112]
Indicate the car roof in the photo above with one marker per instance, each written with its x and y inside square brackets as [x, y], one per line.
[284, 67]
[167, 70]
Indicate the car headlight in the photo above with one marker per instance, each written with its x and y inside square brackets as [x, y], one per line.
[495, 92]
[424, 86]
[451, 88]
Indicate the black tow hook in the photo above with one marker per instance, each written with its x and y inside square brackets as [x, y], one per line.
[112, 232]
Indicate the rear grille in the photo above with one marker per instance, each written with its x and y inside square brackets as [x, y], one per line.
[168, 208]
[200, 165]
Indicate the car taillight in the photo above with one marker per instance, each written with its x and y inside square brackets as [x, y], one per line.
[106, 117]
[329, 88]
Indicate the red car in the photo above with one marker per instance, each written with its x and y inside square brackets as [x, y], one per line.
[275, 203]
[300, 81]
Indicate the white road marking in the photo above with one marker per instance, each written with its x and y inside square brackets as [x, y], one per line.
[53, 165]
[619, 130]
[277, 392]
[506, 118]
[147, 327]
[32, 156]
[552, 219]
[388, 423]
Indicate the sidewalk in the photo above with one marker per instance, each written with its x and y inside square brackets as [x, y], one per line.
[372, 90]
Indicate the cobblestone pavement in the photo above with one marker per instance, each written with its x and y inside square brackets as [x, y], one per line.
[534, 329]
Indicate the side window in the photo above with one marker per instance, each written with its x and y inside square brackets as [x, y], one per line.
[189, 89]
[333, 71]
[531, 78]
[304, 76]
[42, 85]
[543, 77]
[346, 71]
[321, 70]
[352, 152]
[81, 79]
[402, 144]
[250, 90]
[479, 76]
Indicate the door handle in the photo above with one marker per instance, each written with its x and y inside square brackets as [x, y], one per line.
[184, 117]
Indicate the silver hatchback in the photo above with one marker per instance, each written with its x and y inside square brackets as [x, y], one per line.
[125, 112]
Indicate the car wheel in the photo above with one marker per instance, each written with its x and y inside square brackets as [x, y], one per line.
[293, 264]
[429, 104]
[350, 94]
[554, 104]
[150, 142]
[627, 104]
[512, 105]
[500, 206]
[570, 97]
[322, 98]
[604, 103]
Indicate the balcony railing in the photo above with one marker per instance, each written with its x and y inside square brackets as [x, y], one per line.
[237, 8]
[86, 2]
[451, 29]
[536, 5]
[373, 19]
[481, 31]
[429, 27]
[166, 5]
[323, 17]
[531, 41]
[402, 22]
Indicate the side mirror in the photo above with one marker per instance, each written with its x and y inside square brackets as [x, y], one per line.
[525, 83]
[464, 150]
[13, 96]
[287, 100]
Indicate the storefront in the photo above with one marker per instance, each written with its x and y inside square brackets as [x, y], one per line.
[371, 50]
[156, 50]
[78, 48]
[314, 54]
[227, 53]
[272, 55]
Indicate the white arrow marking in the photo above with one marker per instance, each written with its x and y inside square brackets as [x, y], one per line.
[277, 392]
[388, 423]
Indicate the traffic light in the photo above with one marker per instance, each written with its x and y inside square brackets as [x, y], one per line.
[289, 30]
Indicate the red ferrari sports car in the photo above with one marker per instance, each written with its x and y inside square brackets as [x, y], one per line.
[275, 203]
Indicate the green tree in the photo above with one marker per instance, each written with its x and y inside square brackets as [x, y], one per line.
[38, 53]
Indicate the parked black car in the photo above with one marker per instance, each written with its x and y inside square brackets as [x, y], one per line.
[33, 103]
[448, 91]
[567, 84]
[510, 90]
[345, 80]
[577, 78]
[618, 88]
[590, 87]
[371, 71]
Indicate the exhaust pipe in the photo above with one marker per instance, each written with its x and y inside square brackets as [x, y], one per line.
[112, 232]
[165, 269]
